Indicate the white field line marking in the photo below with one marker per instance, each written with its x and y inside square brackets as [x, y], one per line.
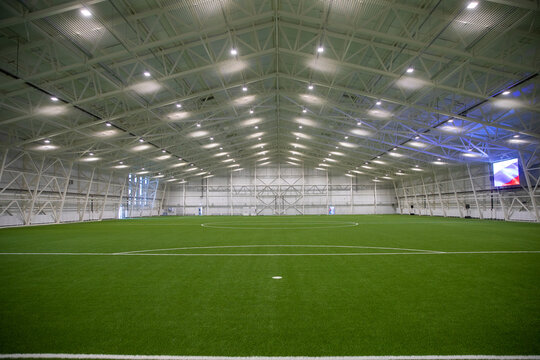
[53, 253]
[249, 222]
[178, 357]
[254, 246]
[331, 254]
[157, 224]
[271, 222]
[307, 225]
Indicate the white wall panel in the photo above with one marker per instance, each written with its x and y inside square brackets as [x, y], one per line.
[284, 191]
[38, 189]
[467, 191]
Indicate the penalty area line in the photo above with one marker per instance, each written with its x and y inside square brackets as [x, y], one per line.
[178, 357]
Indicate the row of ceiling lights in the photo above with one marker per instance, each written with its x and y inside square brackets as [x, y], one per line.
[85, 12]
[47, 141]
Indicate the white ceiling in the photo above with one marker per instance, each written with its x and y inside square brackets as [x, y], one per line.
[364, 106]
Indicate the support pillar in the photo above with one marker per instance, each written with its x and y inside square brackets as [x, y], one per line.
[375, 199]
[81, 217]
[440, 195]
[455, 194]
[530, 189]
[30, 214]
[105, 198]
[397, 198]
[474, 192]
[64, 194]
[426, 195]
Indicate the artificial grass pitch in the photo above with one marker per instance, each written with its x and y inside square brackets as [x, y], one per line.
[382, 287]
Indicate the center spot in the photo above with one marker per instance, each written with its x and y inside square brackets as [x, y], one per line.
[276, 277]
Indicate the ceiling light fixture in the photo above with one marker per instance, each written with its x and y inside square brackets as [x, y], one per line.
[506, 92]
[320, 49]
[179, 105]
[86, 12]
[378, 103]
[472, 5]
[410, 70]
[108, 124]
[234, 51]
[54, 98]
[147, 74]
[244, 88]
[310, 87]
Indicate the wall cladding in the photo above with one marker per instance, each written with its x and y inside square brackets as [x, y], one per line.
[281, 191]
[467, 191]
[44, 190]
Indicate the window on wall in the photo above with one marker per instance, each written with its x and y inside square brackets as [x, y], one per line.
[141, 191]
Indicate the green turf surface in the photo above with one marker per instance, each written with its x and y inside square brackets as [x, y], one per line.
[410, 303]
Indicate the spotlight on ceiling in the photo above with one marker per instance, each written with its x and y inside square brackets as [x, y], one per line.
[86, 13]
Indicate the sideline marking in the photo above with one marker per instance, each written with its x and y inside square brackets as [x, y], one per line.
[179, 357]
[248, 246]
[334, 254]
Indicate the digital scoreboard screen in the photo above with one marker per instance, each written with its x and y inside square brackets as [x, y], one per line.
[506, 173]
